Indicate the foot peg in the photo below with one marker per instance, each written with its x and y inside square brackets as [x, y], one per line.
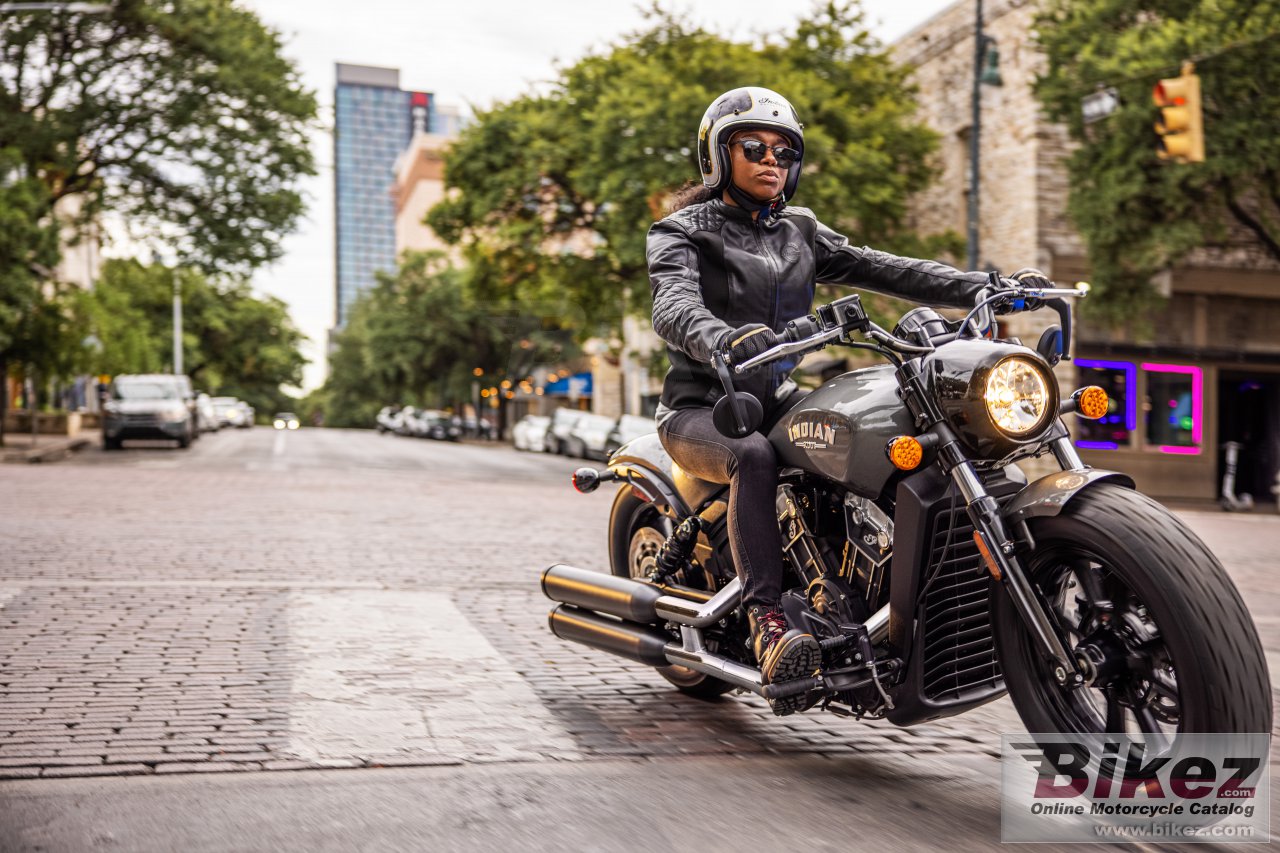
[794, 687]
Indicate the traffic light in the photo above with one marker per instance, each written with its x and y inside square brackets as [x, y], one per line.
[1181, 124]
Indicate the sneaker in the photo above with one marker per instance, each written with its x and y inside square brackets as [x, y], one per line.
[783, 655]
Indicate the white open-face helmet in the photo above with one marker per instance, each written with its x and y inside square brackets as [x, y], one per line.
[745, 108]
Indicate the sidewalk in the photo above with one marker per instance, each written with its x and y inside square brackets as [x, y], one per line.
[19, 447]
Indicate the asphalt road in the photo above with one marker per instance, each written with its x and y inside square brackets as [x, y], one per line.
[334, 640]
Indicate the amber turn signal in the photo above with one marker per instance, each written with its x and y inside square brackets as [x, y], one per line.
[1092, 402]
[905, 453]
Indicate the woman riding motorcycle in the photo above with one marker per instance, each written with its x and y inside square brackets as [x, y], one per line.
[729, 267]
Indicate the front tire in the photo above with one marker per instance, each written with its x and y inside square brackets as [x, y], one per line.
[1174, 645]
[636, 531]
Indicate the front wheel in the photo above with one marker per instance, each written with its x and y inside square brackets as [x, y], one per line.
[1168, 644]
[636, 532]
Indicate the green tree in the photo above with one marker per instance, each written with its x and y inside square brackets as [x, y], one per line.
[1140, 215]
[37, 317]
[181, 117]
[557, 190]
[416, 338]
[234, 343]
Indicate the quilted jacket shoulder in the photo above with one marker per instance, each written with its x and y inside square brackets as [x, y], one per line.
[697, 217]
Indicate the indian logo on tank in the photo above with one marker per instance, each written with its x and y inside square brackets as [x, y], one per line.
[812, 434]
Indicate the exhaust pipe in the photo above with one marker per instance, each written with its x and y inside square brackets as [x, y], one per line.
[621, 597]
[636, 601]
[640, 643]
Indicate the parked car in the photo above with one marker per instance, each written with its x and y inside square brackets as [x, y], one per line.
[389, 419]
[530, 433]
[627, 428]
[229, 411]
[562, 423]
[286, 420]
[439, 426]
[146, 406]
[247, 413]
[206, 414]
[588, 436]
[406, 421]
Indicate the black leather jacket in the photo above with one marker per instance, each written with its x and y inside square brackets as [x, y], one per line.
[713, 268]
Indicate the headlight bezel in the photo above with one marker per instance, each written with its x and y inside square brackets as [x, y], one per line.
[958, 375]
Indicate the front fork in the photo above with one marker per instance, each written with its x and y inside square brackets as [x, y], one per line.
[998, 550]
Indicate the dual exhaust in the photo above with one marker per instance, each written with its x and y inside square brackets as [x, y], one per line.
[620, 616]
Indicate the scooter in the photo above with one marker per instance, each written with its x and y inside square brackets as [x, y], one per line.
[1230, 501]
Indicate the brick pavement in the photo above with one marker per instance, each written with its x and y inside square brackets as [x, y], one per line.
[215, 614]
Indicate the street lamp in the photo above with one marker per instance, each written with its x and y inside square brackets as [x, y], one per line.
[986, 70]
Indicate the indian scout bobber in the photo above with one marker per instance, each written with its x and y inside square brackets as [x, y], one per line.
[933, 574]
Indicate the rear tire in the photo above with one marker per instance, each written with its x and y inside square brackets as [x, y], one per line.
[1176, 617]
[636, 529]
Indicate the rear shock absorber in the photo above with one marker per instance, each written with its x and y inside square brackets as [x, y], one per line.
[676, 553]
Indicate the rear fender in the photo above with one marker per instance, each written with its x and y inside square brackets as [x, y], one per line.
[1048, 495]
[646, 466]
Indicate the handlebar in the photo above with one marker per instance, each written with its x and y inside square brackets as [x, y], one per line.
[838, 319]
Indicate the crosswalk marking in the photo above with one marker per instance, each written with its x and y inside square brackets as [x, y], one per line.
[397, 675]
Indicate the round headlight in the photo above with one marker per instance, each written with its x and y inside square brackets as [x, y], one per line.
[1017, 396]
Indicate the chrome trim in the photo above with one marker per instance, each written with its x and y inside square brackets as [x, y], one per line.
[739, 675]
[877, 625]
[692, 639]
[698, 614]
[970, 486]
[1065, 452]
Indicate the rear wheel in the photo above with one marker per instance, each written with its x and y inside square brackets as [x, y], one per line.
[637, 532]
[1168, 642]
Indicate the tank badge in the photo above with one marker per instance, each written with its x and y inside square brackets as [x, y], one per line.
[812, 435]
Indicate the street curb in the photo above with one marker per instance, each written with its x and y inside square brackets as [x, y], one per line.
[49, 453]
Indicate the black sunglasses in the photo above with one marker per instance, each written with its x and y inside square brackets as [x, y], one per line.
[753, 150]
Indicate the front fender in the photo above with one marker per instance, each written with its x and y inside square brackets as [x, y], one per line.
[1048, 495]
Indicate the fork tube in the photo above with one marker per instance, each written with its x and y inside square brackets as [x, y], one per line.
[1065, 452]
[985, 514]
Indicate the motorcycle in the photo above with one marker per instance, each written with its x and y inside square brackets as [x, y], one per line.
[934, 576]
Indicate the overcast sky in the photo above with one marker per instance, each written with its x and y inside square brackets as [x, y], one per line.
[472, 53]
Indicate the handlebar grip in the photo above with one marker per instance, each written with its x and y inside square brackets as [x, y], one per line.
[800, 328]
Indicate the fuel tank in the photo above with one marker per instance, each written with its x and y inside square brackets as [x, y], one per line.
[840, 430]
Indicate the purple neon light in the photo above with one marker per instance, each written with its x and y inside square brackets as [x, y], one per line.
[1130, 387]
[1197, 401]
[1097, 445]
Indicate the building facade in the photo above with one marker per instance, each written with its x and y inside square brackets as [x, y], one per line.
[1205, 370]
[373, 123]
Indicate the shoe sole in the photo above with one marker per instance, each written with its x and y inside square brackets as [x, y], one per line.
[799, 658]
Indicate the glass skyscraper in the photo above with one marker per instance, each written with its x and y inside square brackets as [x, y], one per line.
[373, 123]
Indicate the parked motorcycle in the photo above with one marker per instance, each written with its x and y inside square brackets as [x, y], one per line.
[933, 574]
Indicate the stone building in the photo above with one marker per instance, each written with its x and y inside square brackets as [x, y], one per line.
[1207, 373]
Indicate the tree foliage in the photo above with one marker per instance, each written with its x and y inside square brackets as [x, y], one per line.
[556, 191]
[416, 338]
[234, 343]
[180, 116]
[1138, 214]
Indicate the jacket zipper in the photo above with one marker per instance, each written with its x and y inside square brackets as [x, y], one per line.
[777, 296]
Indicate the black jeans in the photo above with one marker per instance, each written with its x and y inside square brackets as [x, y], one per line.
[750, 467]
